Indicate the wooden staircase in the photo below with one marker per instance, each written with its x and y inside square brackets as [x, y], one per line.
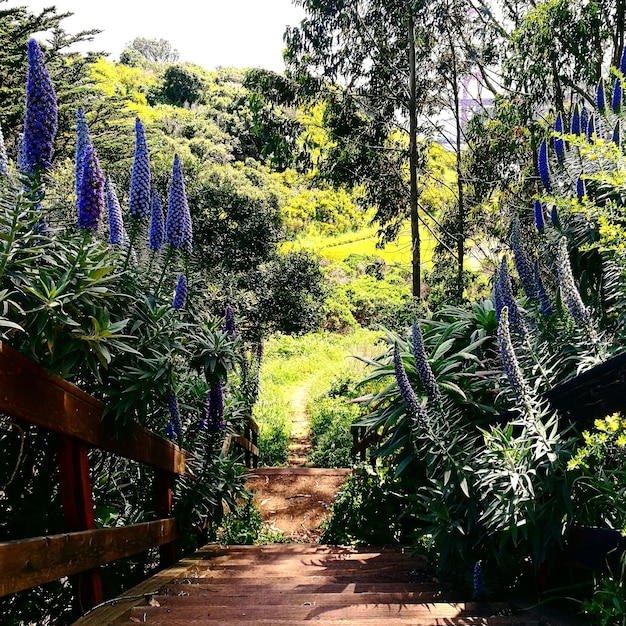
[293, 584]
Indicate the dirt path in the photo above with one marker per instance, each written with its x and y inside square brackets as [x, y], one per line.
[300, 443]
[295, 500]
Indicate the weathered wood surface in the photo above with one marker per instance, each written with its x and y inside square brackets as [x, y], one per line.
[29, 393]
[296, 597]
[593, 394]
[31, 562]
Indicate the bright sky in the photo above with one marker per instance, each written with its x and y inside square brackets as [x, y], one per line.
[211, 33]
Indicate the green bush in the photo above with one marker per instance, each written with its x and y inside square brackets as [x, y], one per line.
[366, 511]
[275, 431]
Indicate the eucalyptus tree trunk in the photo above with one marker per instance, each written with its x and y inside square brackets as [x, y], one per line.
[460, 234]
[413, 164]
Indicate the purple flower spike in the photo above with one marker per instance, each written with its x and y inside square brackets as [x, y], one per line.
[91, 193]
[510, 364]
[180, 295]
[479, 586]
[575, 128]
[622, 63]
[558, 142]
[522, 264]
[178, 221]
[570, 293]
[40, 120]
[584, 120]
[591, 129]
[175, 423]
[539, 221]
[507, 299]
[82, 140]
[617, 136]
[422, 366]
[616, 101]
[580, 189]
[545, 306]
[601, 97]
[413, 408]
[114, 211]
[139, 200]
[214, 421]
[543, 166]
[4, 161]
[157, 223]
[554, 217]
[230, 326]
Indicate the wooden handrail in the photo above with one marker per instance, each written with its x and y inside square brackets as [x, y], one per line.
[31, 394]
[26, 387]
[248, 442]
[31, 562]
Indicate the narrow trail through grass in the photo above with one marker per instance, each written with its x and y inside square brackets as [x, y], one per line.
[295, 371]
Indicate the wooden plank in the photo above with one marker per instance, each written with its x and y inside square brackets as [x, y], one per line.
[245, 444]
[163, 501]
[31, 562]
[185, 608]
[120, 607]
[26, 388]
[391, 619]
[75, 487]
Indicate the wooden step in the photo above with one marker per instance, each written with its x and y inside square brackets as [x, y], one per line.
[294, 584]
[519, 620]
[188, 608]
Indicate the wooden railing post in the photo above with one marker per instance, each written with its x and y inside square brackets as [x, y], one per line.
[75, 488]
[163, 506]
[246, 452]
[255, 442]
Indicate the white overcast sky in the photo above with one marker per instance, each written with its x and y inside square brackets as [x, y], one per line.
[211, 33]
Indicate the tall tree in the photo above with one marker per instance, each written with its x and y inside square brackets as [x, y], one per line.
[155, 50]
[369, 60]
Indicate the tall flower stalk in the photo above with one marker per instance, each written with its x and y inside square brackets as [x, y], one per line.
[522, 264]
[543, 166]
[40, 119]
[157, 223]
[4, 161]
[575, 127]
[413, 407]
[114, 213]
[139, 198]
[571, 295]
[616, 101]
[558, 142]
[83, 139]
[90, 201]
[214, 420]
[510, 364]
[422, 366]
[180, 295]
[178, 221]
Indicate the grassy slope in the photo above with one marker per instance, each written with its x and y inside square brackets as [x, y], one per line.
[297, 369]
